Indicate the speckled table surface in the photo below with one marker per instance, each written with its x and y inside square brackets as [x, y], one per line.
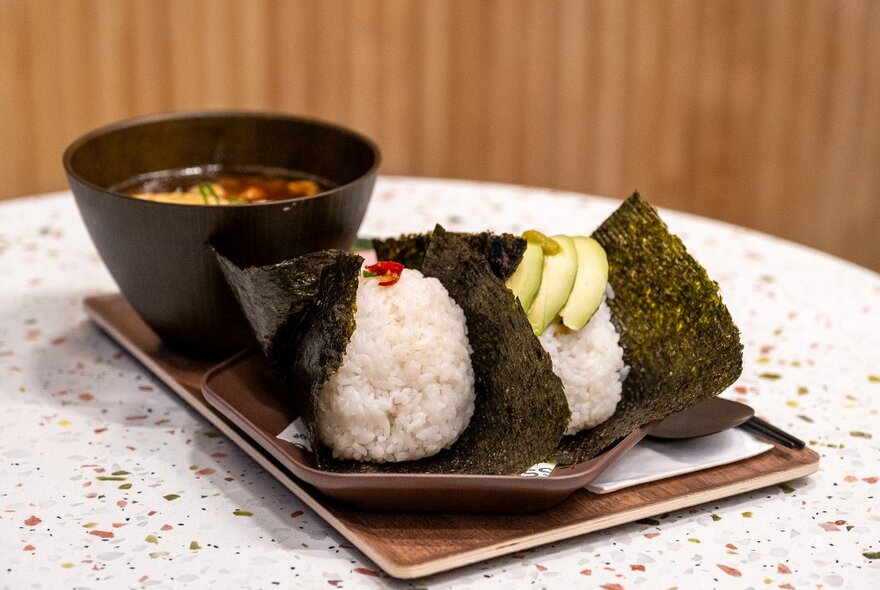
[108, 480]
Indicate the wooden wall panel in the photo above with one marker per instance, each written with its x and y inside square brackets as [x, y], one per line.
[764, 113]
[15, 160]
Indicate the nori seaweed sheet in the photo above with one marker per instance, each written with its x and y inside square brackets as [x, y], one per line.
[522, 412]
[520, 409]
[302, 313]
[409, 250]
[503, 251]
[679, 340]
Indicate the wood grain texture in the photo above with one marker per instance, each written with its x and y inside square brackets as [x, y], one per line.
[411, 540]
[761, 113]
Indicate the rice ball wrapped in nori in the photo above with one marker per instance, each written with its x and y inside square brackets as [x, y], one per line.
[304, 312]
[405, 389]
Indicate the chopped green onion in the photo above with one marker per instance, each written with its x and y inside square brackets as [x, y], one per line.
[207, 190]
[204, 190]
[367, 274]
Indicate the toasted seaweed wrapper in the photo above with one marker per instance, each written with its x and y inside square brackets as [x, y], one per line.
[520, 410]
[302, 313]
[678, 338]
[504, 252]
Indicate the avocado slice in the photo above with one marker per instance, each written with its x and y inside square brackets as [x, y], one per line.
[589, 284]
[526, 279]
[557, 280]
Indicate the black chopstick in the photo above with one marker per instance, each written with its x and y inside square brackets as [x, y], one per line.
[758, 426]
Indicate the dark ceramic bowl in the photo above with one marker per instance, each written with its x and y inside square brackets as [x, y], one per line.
[160, 254]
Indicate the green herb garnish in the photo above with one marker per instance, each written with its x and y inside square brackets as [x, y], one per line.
[208, 193]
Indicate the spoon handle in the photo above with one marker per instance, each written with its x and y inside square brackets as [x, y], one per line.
[758, 426]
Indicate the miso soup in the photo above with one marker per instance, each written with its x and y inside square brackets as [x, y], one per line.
[223, 186]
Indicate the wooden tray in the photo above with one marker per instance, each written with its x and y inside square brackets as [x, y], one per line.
[414, 544]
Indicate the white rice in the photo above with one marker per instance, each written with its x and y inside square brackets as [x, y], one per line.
[406, 386]
[590, 364]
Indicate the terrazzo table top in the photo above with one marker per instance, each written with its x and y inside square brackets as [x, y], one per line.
[109, 480]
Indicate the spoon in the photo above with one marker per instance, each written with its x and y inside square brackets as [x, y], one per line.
[719, 414]
[710, 417]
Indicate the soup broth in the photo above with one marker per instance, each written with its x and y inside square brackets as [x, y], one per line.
[222, 186]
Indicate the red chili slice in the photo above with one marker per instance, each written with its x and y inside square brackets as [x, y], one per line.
[385, 266]
[388, 272]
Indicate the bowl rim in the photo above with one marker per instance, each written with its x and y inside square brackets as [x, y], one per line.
[136, 121]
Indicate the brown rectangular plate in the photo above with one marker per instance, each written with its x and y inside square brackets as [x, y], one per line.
[415, 544]
[244, 390]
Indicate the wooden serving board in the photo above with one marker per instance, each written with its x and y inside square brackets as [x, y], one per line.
[411, 545]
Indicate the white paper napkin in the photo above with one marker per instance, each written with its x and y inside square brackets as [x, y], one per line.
[653, 459]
